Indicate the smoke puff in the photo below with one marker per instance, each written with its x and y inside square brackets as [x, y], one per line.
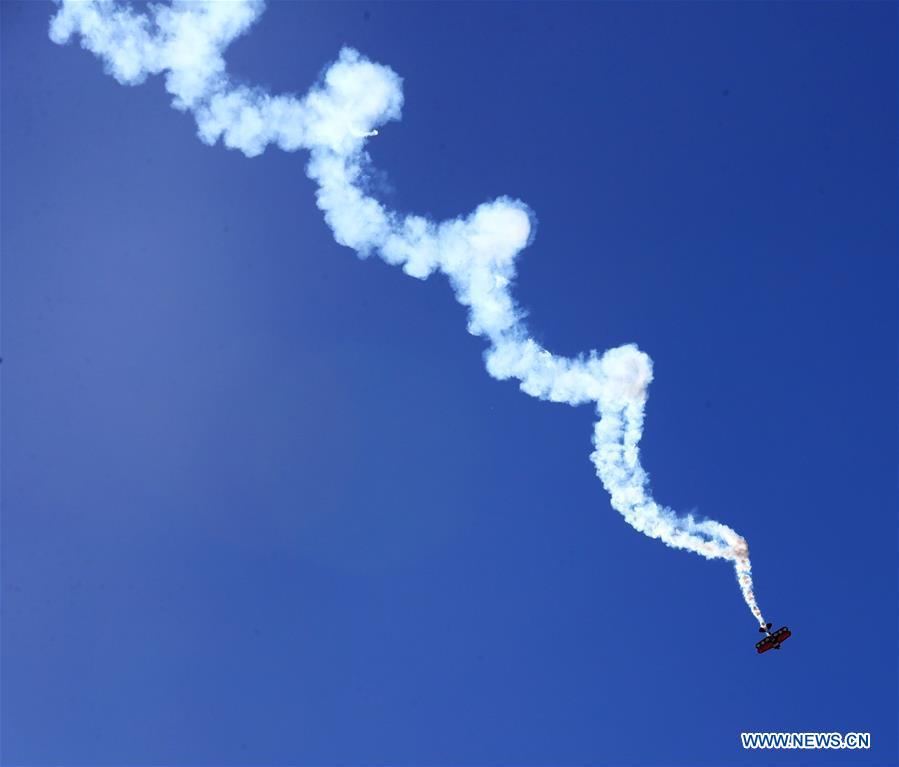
[186, 42]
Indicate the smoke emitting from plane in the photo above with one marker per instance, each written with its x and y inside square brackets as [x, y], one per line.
[186, 42]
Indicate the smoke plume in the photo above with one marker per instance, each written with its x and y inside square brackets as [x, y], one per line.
[186, 41]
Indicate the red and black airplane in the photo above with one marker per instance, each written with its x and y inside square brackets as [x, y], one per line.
[772, 640]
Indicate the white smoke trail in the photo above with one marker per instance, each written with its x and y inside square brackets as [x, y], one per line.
[186, 41]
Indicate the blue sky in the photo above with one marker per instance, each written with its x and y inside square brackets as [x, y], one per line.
[261, 503]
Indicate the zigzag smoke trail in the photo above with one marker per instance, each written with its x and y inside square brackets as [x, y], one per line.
[477, 253]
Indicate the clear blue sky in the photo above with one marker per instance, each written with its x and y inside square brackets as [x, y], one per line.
[263, 506]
